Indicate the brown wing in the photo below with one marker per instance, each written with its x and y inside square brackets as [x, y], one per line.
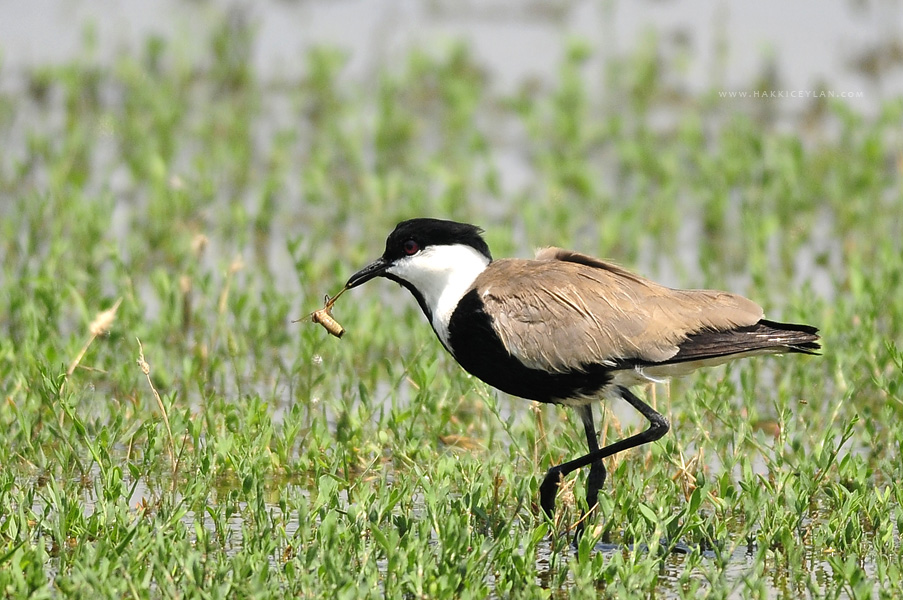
[565, 310]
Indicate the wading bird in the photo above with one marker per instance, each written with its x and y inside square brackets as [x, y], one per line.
[570, 329]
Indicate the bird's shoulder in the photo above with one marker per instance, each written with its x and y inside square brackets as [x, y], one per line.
[554, 270]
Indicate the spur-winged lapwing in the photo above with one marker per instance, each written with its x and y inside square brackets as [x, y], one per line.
[569, 328]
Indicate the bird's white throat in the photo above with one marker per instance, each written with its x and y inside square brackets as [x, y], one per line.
[442, 275]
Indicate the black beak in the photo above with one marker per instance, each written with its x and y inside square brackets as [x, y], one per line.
[375, 269]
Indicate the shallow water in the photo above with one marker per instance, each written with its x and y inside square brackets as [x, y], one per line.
[738, 558]
[843, 46]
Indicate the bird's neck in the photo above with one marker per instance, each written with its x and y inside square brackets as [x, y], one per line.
[441, 277]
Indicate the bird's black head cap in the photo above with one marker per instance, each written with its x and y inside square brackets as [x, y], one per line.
[433, 232]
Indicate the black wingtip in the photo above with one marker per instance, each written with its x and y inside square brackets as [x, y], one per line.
[812, 348]
[791, 327]
[770, 336]
[808, 338]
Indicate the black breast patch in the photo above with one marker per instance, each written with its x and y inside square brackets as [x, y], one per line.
[478, 349]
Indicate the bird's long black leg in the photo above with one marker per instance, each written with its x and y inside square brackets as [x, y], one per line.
[596, 478]
[658, 426]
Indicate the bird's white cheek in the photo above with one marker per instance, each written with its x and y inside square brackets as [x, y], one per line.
[441, 275]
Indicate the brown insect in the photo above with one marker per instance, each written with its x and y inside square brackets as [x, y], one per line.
[324, 316]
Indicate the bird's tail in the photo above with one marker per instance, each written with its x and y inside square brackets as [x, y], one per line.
[763, 337]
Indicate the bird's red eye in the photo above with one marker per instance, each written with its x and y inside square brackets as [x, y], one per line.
[411, 247]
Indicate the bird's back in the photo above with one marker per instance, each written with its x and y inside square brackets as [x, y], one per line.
[564, 311]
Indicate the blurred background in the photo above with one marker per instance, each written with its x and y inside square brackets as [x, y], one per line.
[856, 46]
[543, 91]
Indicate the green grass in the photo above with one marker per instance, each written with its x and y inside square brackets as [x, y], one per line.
[278, 461]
